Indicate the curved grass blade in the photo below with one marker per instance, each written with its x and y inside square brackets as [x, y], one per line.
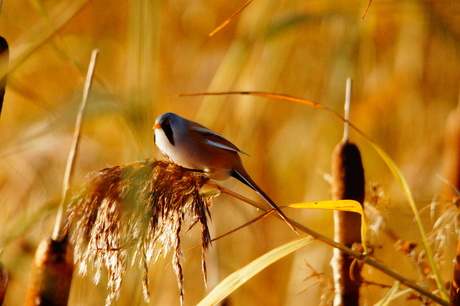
[239, 277]
[392, 295]
[408, 194]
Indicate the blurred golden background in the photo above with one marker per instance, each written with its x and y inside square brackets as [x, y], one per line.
[404, 58]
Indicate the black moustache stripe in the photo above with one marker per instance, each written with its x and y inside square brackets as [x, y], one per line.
[168, 132]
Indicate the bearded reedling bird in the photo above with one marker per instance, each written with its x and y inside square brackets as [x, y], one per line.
[195, 147]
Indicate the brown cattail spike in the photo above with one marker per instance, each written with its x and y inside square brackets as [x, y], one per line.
[347, 183]
[52, 274]
[347, 173]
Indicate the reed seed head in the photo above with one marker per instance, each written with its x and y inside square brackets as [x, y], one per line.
[136, 212]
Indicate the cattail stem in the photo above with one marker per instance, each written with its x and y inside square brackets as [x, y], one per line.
[346, 108]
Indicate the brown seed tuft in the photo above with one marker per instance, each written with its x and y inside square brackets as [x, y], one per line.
[136, 211]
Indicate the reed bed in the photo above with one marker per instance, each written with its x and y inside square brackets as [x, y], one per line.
[403, 57]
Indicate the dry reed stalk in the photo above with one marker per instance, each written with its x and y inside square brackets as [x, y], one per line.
[51, 274]
[347, 184]
[58, 233]
[53, 268]
[224, 24]
[135, 213]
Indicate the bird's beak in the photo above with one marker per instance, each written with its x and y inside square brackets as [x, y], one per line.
[157, 126]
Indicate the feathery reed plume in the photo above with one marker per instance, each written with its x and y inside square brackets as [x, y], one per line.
[347, 184]
[51, 274]
[137, 210]
[4, 56]
[4, 277]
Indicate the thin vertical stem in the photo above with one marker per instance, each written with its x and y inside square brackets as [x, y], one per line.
[59, 225]
[347, 109]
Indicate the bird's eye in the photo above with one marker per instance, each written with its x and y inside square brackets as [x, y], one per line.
[166, 124]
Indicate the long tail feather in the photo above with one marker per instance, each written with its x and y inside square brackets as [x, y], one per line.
[244, 177]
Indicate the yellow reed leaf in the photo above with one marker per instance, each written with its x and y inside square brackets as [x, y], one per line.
[342, 205]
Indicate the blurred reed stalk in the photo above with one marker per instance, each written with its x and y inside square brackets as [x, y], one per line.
[52, 272]
[4, 55]
[347, 184]
[451, 173]
[451, 167]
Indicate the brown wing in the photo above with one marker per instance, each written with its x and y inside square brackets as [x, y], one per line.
[215, 139]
